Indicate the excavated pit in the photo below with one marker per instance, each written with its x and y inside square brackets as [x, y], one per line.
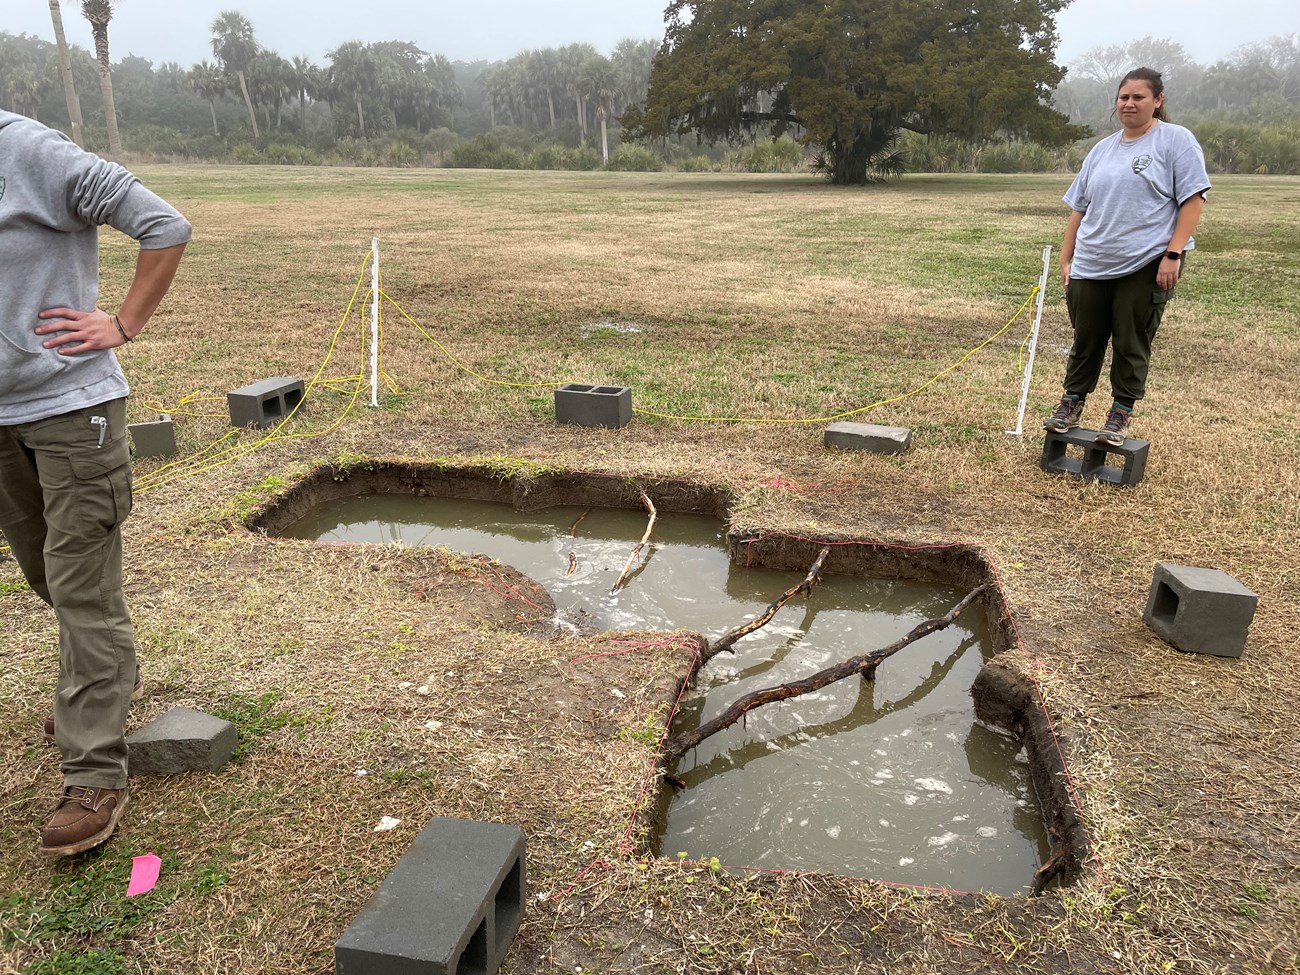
[1003, 712]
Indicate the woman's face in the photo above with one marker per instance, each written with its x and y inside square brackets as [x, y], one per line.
[1136, 105]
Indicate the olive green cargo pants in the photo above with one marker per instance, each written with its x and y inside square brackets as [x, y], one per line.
[65, 489]
[1123, 313]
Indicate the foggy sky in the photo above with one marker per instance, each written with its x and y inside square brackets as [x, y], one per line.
[177, 30]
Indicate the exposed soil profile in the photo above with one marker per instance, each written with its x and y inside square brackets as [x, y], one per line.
[1002, 697]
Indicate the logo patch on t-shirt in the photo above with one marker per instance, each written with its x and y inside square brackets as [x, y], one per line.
[1141, 163]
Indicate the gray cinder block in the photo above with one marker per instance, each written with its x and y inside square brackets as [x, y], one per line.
[868, 436]
[1088, 458]
[264, 403]
[182, 740]
[1200, 610]
[451, 905]
[593, 406]
[157, 439]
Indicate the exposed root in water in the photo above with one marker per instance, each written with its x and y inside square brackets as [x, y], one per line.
[864, 664]
[636, 551]
[1050, 870]
[803, 588]
[573, 529]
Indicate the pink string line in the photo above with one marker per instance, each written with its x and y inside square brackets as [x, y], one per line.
[1072, 787]
[632, 647]
[578, 877]
[898, 885]
[1069, 779]
[781, 484]
[509, 591]
[750, 542]
[625, 846]
[774, 871]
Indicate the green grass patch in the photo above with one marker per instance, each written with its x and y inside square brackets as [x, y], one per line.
[86, 901]
[97, 962]
[255, 717]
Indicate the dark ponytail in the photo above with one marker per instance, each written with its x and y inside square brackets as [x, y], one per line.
[1154, 82]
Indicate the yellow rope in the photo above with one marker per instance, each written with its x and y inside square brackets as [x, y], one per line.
[1029, 334]
[737, 419]
[158, 406]
[230, 454]
[443, 349]
[861, 409]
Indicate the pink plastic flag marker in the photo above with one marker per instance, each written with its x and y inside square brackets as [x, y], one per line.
[144, 874]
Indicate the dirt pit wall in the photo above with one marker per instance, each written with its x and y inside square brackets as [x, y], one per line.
[1002, 695]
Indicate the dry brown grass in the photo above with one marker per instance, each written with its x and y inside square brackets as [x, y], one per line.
[755, 296]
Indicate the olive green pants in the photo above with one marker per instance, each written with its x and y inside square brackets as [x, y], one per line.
[65, 489]
[1123, 313]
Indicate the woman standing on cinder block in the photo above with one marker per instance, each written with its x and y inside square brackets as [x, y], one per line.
[1134, 206]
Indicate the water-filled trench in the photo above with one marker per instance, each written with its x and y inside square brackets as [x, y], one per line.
[892, 780]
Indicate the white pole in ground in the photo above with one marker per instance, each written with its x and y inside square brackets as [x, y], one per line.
[374, 322]
[1033, 344]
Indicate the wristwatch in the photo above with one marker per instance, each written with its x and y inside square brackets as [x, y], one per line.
[1174, 255]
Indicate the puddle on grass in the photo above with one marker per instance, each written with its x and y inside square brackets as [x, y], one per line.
[893, 781]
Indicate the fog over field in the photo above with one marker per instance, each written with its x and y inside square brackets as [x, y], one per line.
[162, 30]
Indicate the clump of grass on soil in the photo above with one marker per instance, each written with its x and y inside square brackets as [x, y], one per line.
[798, 301]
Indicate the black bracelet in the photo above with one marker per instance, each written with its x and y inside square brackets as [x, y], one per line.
[120, 330]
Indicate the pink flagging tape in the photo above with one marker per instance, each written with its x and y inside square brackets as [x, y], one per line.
[144, 874]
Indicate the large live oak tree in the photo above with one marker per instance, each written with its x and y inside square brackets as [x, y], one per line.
[846, 75]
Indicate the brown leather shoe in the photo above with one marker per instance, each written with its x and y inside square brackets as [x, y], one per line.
[137, 692]
[85, 817]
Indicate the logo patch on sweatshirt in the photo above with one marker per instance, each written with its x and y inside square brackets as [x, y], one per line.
[1141, 163]
[2, 187]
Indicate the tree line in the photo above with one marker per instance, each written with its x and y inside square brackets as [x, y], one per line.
[361, 92]
[860, 89]
[1245, 109]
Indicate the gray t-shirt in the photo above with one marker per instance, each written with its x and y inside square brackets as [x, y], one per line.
[53, 199]
[1129, 194]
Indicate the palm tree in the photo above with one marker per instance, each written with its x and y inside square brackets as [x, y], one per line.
[572, 59]
[65, 70]
[354, 73]
[599, 81]
[490, 86]
[306, 83]
[270, 83]
[541, 73]
[510, 86]
[632, 62]
[25, 89]
[400, 82]
[234, 46]
[99, 13]
[206, 79]
[447, 95]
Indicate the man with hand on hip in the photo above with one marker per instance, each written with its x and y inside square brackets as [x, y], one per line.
[65, 473]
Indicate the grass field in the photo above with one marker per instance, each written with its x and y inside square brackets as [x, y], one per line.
[752, 297]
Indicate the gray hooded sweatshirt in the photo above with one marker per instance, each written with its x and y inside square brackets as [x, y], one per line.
[53, 199]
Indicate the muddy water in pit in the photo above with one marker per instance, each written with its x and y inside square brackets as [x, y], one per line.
[892, 781]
